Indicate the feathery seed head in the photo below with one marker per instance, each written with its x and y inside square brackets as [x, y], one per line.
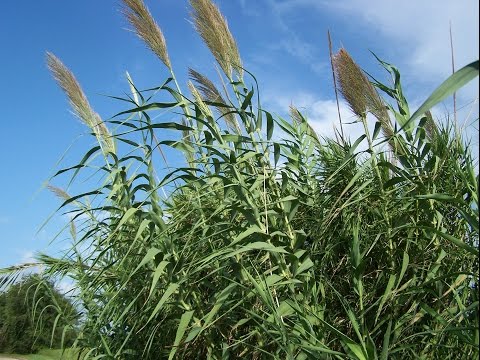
[299, 119]
[430, 126]
[295, 115]
[210, 93]
[72, 89]
[352, 82]
[62, 194]
[198, 99]
[102, 133]
[377, 107]
[213, 28]
[360, 94]
[147, 29]
[79, 103]
[207, 88]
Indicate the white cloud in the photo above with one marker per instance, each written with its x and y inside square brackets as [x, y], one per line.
[67, 287]
[322, 114]
[27, 257]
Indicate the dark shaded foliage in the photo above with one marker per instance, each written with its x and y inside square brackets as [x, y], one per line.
[28, 317]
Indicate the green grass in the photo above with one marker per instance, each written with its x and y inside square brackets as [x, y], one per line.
[46, 354]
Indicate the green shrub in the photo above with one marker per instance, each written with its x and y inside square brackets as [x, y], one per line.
[29, 310]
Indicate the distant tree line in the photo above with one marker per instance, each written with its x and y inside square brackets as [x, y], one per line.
[28, 317]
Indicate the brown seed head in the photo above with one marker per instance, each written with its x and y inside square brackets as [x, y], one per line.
[210, 93]
[147, 29]
[360, 94]
[377, 107]
[352, 82]
[206, 87]
[430, 126]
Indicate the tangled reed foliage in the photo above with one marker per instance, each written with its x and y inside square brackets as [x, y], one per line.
[259, 248]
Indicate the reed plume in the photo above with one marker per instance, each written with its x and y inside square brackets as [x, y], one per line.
[213, 28]
[79, 102]
[199, 100]
[352, 82]
[147, 29]
[360, 94]
[62, 194]
[431, 128]
[299, 119]
[210, 93]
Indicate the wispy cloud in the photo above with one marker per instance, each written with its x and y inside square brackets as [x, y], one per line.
[27, 257]
[419, 28]
[424, 27]
[249, 9]
[321, 113]
[289, 39]
[303, 51]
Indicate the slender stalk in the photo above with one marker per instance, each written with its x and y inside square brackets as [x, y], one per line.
[335, 84]
[452, 53]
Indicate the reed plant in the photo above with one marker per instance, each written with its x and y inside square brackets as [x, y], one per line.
[260, 247]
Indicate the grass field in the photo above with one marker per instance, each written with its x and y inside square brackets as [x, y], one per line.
[45, 354]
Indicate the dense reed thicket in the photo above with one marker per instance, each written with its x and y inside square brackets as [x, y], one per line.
[269, 241]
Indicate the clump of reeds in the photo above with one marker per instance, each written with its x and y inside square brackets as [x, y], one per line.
[269, 247]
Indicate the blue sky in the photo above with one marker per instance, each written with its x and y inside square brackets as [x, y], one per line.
[283, 43]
